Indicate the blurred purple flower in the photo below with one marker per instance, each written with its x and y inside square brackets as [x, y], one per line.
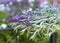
[16, 18]
[11, 20]
[56, 5]
[23, 3]
[19, 17]
[24, 0]
[31, 1]
[26, 23]
[12, 11]
[9, 1]
[29, 5]
[37, 10]
[29, 15]
[41, 0]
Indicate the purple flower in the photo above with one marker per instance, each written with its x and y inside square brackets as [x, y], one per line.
[29, 15]
[12, 11]
[56, 5]
[41, 0]
[26, 23]
[10, 20]
[29, 5]
[37, 9]
[9, 1]
[24, 0]
[16, 18]
[23, 3]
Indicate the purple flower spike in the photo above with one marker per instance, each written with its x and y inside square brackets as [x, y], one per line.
[26, 23]
[18, 17]
[10, 20]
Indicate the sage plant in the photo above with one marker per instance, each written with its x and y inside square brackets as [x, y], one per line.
[37, 22]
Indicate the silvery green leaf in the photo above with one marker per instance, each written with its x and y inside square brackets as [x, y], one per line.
[23, 31]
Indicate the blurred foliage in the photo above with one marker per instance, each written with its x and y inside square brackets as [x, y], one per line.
[47, 20]
[3, 16]
[7, 37]
[58, 36]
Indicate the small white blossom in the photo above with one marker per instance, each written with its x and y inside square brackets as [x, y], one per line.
[19, 0]
[30, 9]
[10, 3]
[31, 1]
[24, 11]
[7, 7]
[2, 7]
[3, 25]
[31, 4]
[44, 4]
[17, 37]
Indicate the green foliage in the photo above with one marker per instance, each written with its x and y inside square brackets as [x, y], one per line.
[45, 22]
[3, 16]
[7, 37]
[58, 36]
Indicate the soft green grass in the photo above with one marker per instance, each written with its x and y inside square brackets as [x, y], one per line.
[58, 36]
[6, 35]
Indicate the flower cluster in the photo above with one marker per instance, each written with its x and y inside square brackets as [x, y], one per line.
[24, 17]
[38, 20]
[34, 23]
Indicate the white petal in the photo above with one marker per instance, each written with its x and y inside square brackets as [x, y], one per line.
[3, 25]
